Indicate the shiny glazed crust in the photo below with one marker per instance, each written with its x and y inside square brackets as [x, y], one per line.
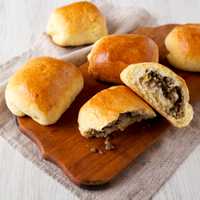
[43, 89]
[111, 54]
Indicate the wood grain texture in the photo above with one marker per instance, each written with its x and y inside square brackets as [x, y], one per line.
[20, 24]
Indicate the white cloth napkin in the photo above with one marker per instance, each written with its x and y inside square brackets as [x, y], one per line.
[120, 19]
[145, 176]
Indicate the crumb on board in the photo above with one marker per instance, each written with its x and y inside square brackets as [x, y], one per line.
[108, 145]
[95, 150]
[100, 151]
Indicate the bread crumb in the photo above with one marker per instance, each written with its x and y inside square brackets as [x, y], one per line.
[93, 150]
[100, 151]
[108, 145]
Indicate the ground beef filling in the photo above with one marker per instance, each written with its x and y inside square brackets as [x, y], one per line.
[170, 91]
[121, 123]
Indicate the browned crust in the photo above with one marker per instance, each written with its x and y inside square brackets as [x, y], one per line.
[112, 54]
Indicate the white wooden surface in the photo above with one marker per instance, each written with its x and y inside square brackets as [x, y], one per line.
[21, 21]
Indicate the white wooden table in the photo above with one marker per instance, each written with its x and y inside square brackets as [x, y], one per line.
[21, 21]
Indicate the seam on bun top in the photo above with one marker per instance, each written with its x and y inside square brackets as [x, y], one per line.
[43, 89]
[76, 24]
[111, 54]
[183, 44]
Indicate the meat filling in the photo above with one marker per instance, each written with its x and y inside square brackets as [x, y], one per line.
[170, 91]
[124, 120]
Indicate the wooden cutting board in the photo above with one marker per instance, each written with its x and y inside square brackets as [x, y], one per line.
[63, 145]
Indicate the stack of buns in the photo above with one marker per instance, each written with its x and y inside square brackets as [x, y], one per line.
[45, 87]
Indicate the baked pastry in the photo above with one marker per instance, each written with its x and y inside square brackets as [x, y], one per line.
[43, 89]
[112, 109]
[183, 44]
[76, 24]
[161, 88]
[111, 54]
[158, 35]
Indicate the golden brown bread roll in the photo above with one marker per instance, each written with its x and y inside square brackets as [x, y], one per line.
[183, 44]
[111, 54]
[158, 35]
[43, 89]
[161, 88]
[112, 109]
[76, 24]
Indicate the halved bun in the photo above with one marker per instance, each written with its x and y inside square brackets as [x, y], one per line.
[112, 109]
[161, 88]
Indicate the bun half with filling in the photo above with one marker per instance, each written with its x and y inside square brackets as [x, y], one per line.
[161, 88]
[110, 110]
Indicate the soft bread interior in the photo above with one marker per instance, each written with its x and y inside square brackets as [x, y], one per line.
[162, 90]
[124, 120]
[112, 109]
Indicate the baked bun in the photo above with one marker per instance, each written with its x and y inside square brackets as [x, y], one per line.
[111, 54]
[158, 35]
[161, 88]
[76, 24]
[183, 44]
[112, 109]
[43, 89]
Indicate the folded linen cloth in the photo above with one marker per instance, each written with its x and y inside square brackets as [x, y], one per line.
[150, 170]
